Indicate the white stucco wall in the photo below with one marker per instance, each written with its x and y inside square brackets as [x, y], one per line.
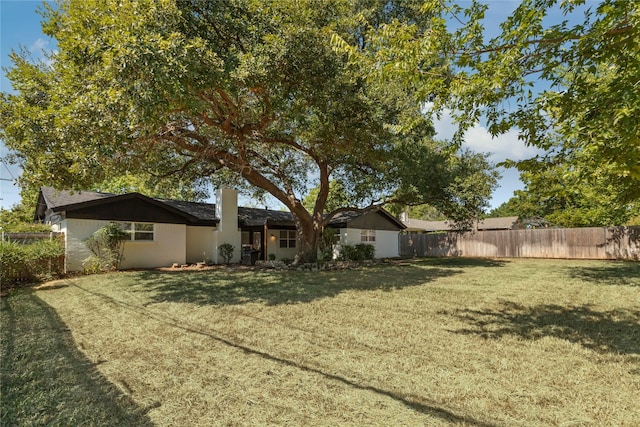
[76, 231]
[273, 246]
[169, 245]
[200, 244]
[386, 243]
[227, 231]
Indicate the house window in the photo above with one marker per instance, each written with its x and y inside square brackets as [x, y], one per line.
[367, 235]
[138, 231]
[287, 238]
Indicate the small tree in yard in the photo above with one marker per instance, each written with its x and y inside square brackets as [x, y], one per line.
[226, 252]
[107, 246]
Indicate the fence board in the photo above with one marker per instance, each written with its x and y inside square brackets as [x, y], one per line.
[571, 243]
[30, 237]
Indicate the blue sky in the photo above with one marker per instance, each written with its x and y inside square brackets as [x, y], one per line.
[20, 27]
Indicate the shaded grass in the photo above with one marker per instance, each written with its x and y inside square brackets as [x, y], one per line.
[618, 273]
[233, 287]
[428, 342]
[612, 331]
[46, 380]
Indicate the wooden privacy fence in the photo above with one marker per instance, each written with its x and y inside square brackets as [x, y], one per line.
[30, 237]
[570, 243]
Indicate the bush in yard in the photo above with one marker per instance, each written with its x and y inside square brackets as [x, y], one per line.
[226, 252]
[358, 252]
[329, 236]
[107, 246]
[42, 259]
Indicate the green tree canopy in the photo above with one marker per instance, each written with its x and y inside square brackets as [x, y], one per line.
[588, 63]
[167, 187]
[559, 194]
[245, 92]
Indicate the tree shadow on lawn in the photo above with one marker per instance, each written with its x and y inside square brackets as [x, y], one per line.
[461, 262]
[416, 403]
[237, 286]
[616, 331]
[610, 273]
[46, 380]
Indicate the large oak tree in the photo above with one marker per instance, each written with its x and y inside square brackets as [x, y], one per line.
[250, 93]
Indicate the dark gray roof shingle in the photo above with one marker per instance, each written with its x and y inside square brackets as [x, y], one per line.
[57, 198]
[203, 212]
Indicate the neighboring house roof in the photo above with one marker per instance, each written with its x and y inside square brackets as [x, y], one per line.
[504, 223]
[91, 204]
[421, 225]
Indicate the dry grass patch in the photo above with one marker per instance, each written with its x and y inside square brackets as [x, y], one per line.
[432, 342]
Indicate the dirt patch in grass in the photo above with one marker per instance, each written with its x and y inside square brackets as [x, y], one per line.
[432, 342]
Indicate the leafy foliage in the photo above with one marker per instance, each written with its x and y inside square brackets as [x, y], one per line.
[171, 187]
[329, 238]
[585, 118]
[107, 246]
[39, 260]
[20, 219]
[226, 252]
[560, 195]
[358, 252]
[337, 198]
[457, 186]
[246, 93]
[508, 208]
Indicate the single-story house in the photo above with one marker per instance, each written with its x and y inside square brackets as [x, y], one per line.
[163, 232]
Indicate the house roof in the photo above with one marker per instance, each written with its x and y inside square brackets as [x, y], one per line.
[201, 211]
[56, 198]
[256, 217]
[345, 217]
[504, 223]
[52, 200]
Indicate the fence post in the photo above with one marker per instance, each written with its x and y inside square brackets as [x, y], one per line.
[50, 261]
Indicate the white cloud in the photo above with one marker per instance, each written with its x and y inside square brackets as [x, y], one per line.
[502, 147]
[39, 46]
[42, 50]
[480, 140]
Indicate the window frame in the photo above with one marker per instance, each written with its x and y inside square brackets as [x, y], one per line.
[287, 239]
[135, 230]
[367, 236]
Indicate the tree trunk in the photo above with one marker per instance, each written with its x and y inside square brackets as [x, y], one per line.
[308, 238]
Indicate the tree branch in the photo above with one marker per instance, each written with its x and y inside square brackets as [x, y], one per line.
[555, 40]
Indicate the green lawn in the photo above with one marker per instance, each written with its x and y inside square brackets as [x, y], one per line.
[429, 342]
